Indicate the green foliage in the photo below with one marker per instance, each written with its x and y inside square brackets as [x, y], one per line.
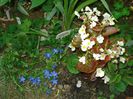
[71, 61]
[67, 8]
[120, 76]
[36, 3]
[22, 9]
[120, 10]
[3, 2]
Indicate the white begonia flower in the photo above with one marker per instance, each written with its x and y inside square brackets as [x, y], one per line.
[94, 18]
[77, 14]
[79, 83]
[84, 47]
[89, 14]
[109, 51]
[100, 39]
[82, 10]
[87, 44]
[96, 56]
[93, 24]
[84, 36]
[120, 43]
[122, 59]
[88, 9]
[108, 20]
[106, 79]
[101, 50]
[122, 51]
[91, 44]
[82, 59]
[99, 72]
[97, 12]
[115, 61]
[72, 47]
[102, 56]
[106, 16]
[82, 30]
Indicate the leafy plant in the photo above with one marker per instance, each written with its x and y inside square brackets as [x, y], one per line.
[120, 10]
[71, 61]
[120, 76]
[67, 8]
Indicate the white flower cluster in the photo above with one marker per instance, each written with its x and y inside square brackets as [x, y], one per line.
[93, 17]
[94, 45]
[101, 73]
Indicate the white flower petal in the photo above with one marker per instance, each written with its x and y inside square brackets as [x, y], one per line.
[96, 56]
[106, 79]
[100, 39]
[82, 59]
[77, 14]
[122, 59]
[99, 72]
[72, 47]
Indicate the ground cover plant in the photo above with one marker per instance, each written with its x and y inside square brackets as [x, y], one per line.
[66, 49]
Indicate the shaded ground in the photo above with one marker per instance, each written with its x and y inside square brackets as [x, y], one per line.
[66, 89]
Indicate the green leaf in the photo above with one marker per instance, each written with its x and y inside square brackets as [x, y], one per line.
[106, 6]
[129, 43]
[125, 12]
[128, 80]
[3, 2]
[118, 5]
[121, 65]
[22, 9]
[116, 78]
[121, 86]
[82, 5]
[36, 3]
[59, 6]
[51, 14]
[112, 67]
[71, 61]
[130, 63]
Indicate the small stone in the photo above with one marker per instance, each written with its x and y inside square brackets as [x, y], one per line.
[60, 86]
[67, 87]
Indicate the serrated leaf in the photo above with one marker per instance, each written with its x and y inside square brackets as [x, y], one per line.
[22, 9]
[71, 61]
[3, 2]
[36, 3]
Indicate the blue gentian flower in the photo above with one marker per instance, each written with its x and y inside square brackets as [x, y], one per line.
[54, 74]
[54, 81]
[55, 51]
[35, 81]
[22, 79]
[32, 80]
[54, 66]
[60, 51]
[47, 73]
[48, 55]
